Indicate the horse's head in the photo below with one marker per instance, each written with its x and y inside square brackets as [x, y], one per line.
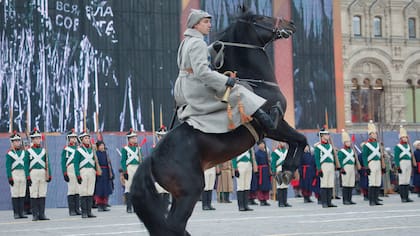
[263, 28]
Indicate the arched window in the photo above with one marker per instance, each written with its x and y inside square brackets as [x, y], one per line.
[411, 28]
[377, 26]
[357, 25]
[367, 101]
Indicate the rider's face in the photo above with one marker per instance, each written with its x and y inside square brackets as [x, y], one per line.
[204, 26]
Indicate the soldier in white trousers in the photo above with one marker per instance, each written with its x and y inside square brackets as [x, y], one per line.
[17, 174]
[40, 174]
[347, 159]
[243, 166]
[86, 170]
[325, 165]
[130, 160]
[69, 174]
[403, 161]
[278, 156]
[207, 195]
[371, 155]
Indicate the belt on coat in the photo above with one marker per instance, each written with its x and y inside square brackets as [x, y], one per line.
[260, 167]
[187, 70]
[304, 168]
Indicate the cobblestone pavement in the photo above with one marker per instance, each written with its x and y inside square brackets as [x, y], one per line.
[393, 218]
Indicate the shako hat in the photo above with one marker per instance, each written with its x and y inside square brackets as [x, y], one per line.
[15, 136]
[403, 132]
[131, 133]
[162, 131]
[345, 137]
[195, 16]
[35, 133]
[371, 127]
[83, 134]
[71, 134]
[323, 131]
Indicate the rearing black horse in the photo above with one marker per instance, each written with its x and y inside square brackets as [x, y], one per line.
[179, 159]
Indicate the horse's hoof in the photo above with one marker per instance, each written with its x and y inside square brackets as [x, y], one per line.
[286, 177]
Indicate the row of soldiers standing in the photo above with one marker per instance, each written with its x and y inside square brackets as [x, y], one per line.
[372, 164]
[80, 166]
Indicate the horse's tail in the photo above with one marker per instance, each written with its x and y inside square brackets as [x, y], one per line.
[145, 199]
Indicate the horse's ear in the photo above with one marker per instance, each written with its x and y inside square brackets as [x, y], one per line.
[243, 9]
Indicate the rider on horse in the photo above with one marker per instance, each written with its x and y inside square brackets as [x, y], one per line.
[198, 89]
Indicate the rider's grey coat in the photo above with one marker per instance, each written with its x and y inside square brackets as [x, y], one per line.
[199, 94]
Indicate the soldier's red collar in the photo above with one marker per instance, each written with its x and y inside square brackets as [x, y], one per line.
[86, 145]
[371, 140]
[401, 142]
[72, 144]
[132, 145]
[324, 142]
[36, 145]
[346, 147]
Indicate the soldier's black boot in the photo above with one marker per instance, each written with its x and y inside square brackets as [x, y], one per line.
[239, 195]
[226, 195]
[407, 193]
[280, 197]
[83, 205]
[204, 205]
[329, 197]
[285, 198]
[128, 202]
[209, 198]
[15, 208]
[371, 196]
[42, 209]
[323, 197]
[346, 200]
[72, 207]
[76, 200]
[89, 207]
[245, 198]
[350, 195]
[21, 206]
[376, 198]
[35, 209]
[265, 120]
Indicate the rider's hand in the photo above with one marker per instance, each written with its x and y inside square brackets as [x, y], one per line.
[230, 82]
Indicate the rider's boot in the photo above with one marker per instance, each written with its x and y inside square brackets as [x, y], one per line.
[265, 120]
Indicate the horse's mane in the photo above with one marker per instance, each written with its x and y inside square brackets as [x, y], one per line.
[245, 14]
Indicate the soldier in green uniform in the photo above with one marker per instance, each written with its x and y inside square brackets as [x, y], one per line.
[165, 196]
[347, 159]
[130, 160]
[17, 173]
[243, 167]
[403, 158]
[371, 155]
[67, 166]
[325, 165]
[40, 174]
[278, 156]
[85, 170]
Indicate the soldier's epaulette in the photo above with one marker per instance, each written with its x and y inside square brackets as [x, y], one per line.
[316, 144]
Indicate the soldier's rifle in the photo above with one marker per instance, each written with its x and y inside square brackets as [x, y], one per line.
[358, 165]
[413, 158]
[47, 162]
[337, 162]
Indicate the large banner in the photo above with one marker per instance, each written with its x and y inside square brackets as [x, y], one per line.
[313, 61]
[94, 64]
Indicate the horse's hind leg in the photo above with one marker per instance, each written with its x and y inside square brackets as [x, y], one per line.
[183, 206]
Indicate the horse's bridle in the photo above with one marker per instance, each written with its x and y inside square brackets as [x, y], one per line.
[277, 34]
